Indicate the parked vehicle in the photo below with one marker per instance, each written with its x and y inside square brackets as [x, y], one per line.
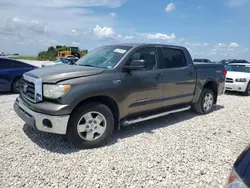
[117, 85]
[240, 174]
[72, 60]
[71, 50]
[238, 78]
[202, 60]
[238, 61]
[226, 61]
[229, 61]
[11, 72]
[69, 60]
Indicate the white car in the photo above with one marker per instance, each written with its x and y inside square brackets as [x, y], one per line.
[57, 62]
[238, 77]
[61, 61]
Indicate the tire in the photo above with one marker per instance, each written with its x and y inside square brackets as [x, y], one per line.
[200, 106]
[247, 92]
[77, 55]
[16, 86]
[85, 131]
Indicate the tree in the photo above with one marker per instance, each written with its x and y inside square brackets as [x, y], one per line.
[52, 52]
[42, 55]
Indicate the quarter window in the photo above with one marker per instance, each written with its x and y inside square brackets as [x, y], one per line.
[173, 58]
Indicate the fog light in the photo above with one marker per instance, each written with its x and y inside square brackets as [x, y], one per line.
[47, 123]
[38, 97]
[239, 88]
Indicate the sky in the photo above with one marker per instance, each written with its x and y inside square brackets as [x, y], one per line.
[214, 29]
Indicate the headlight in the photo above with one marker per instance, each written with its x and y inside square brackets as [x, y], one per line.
[234, 181]
[241, 80]
[55, 91]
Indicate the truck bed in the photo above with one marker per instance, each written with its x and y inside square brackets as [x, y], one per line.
[208, 65]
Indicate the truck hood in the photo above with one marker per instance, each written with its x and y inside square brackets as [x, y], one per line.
[54, 74]
[231, 74]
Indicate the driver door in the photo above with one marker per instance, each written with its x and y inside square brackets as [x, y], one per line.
[144, 88]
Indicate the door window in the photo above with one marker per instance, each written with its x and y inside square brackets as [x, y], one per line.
[173, 58]
[18, 64]
[5, 64]
[147, 54]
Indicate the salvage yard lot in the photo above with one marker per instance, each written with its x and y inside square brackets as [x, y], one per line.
[180, 150]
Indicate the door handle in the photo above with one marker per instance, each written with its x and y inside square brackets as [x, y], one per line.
[158, 76]
[190, 74]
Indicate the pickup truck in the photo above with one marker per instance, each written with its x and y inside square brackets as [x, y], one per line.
[114, 86]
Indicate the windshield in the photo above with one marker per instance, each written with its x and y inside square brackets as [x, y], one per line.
[238, 68]
[104, 57]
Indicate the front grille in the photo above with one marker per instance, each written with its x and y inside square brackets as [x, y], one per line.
[28, 89]
[229, 80]
[31, 87]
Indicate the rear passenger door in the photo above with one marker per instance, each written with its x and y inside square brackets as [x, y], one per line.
[5, 74]
[179, 76]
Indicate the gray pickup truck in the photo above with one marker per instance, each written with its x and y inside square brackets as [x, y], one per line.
[114, 86]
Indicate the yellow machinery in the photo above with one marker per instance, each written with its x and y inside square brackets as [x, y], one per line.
[71, 51]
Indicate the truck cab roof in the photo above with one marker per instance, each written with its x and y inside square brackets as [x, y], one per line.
[147, 44]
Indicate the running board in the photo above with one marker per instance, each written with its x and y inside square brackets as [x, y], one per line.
[141, 119]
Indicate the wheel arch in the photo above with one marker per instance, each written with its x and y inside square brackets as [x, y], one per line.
[13, 81]
[108, 101]
[211, 84]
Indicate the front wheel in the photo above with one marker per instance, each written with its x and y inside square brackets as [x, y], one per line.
[90, 125]
[247, 92]
[205, 103]
[16, 85]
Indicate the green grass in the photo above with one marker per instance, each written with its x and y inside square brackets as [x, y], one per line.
[25, 57]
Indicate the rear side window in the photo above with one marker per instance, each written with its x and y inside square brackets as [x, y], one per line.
[5, 64]
[18, 64]
[173, 58]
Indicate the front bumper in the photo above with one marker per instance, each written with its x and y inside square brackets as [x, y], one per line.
[42, 122]
[239, 86]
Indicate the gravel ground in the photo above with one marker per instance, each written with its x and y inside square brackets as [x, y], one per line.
[180, 150]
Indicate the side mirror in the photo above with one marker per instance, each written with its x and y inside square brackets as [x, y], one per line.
[137, 64]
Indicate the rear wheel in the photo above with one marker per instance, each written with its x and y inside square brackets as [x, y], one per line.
[16, 85]
[205, 103]
[247, 92]
[90, 125]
